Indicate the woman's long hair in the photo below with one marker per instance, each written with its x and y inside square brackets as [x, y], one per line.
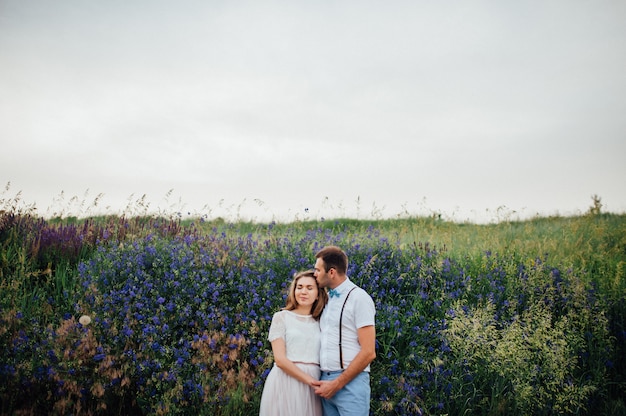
[322, 297]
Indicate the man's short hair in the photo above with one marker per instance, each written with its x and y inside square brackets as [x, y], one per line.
[333, 257]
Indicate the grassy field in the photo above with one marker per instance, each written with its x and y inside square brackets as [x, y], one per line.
[513, 318]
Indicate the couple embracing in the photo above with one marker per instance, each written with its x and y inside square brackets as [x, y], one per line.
[323, 344]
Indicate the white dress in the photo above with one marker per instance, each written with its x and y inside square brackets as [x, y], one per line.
[284, 395]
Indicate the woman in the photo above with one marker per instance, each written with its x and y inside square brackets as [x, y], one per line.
[295, 337]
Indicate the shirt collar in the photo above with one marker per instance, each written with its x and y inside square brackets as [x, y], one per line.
[344, 286]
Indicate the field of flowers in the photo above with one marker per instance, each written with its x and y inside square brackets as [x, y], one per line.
[151, 315]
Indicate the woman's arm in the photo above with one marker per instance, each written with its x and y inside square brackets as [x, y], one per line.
[285, 364]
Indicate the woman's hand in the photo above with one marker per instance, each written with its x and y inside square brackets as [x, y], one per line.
[326, 388]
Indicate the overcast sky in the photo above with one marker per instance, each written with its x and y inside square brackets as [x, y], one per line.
[305, 109]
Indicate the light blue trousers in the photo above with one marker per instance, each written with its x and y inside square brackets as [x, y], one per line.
[352, 400]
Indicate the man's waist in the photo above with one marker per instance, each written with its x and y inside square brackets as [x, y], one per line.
[329, 373]
[333, 372]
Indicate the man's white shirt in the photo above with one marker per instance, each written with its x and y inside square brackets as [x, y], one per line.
[358, 312]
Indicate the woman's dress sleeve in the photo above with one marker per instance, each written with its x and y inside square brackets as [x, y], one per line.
[277, 327]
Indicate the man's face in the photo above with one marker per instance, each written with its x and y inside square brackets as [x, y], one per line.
[323, 280]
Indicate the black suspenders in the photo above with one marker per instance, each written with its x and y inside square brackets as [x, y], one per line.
[340, 320]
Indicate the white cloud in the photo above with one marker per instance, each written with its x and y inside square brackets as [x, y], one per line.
[467, 105]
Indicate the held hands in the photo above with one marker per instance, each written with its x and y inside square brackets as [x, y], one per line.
[327, 388]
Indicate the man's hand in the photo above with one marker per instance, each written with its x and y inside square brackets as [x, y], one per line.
[326, 388]
[367, 339]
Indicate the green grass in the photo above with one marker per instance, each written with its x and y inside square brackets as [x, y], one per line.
[591, 246]
[593, 243]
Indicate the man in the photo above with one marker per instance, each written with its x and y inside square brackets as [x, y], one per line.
[348, 338]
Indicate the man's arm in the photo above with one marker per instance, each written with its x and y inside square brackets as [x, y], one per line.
[367, 340]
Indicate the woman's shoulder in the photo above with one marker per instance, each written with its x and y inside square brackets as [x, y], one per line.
[280, 314]
[285, 313]
[291, 316]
